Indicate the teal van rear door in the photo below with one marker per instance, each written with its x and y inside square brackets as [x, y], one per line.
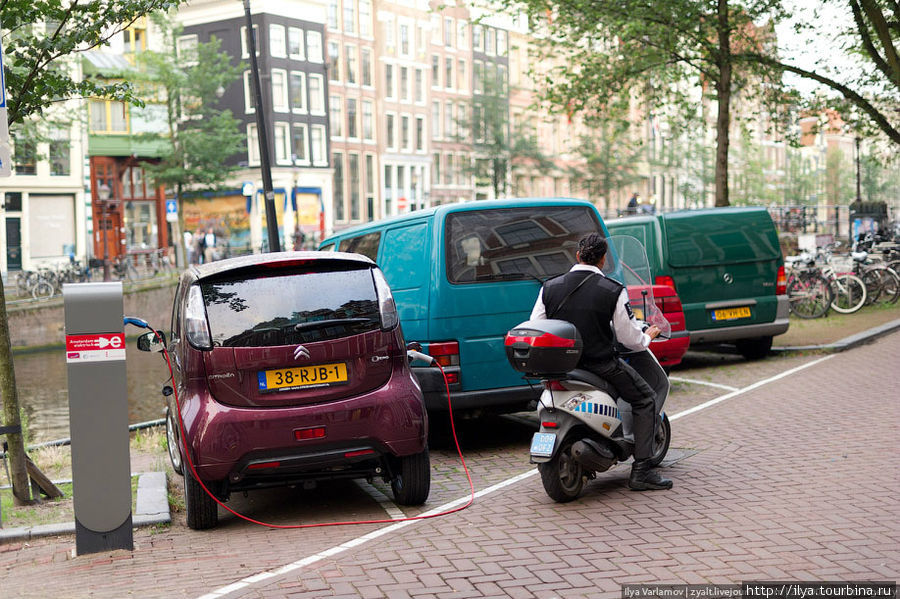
[725, 264]
[494, 261]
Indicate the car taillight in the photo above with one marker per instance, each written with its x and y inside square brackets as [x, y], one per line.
[386, 305]
[445, 353]
[195, 326]
[544, 340]
[667, 281]
[780, 282]
[668, 305]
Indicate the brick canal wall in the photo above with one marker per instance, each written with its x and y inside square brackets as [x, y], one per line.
[36, 325]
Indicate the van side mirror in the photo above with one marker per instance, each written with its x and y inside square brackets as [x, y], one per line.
[154, 341]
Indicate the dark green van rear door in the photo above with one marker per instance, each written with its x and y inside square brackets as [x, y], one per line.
[725, 264]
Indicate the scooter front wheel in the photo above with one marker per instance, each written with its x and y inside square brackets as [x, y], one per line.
[562, 476]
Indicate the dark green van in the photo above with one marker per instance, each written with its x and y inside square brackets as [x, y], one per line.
[727, 267]
[463, 275]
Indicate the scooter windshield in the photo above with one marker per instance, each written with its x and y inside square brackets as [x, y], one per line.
[626, 262]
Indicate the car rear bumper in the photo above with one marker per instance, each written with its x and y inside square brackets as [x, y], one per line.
[767, 329]
[502, 398]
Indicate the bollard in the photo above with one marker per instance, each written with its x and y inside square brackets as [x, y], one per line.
[98, 416]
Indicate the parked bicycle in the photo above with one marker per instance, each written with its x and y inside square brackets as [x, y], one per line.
[809, 293]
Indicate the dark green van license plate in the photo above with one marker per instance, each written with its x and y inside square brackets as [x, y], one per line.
[731, 313]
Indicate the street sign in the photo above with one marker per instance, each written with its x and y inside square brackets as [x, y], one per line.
[95, 347]
[171, 211]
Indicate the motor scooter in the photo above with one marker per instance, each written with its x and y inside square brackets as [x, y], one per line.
[585, 427]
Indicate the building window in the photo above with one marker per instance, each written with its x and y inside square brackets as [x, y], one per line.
[502, 47]
[449, 128]
[478, 74]
[368, 120]
[186, 49]
[404, 84]
[365, 18]
[390, 131]
[135, 37]
[478, 38]
[436, 29]
[249, 97]
[337, 162]
[316, 94]
[490, 43]
[337, 116]
[353, 176]
[277, 41]
[366, 66]
[25, 157]
[60, 153]
[435, 119]
[108, 116]
[461, 123]
[420, 86]
[252, 146]
[461, 35]
[333, 14]
[300, 144]
[435, 70]
[404, 39]
[370, 186]
[502, 79]
[388, 190]
[313, 46]
[350, 16]
[389, 81]
[245, 48]
[297, 85]
[420, 133]
[282, 143]
[461, 83]
[448, 32]
[317, 143]
[404, 131]
[279, 90]
[448, 72]
[295, 43]
[350, 51]
[334, 61]
[436, 168]
[352, 128]
[389, 41]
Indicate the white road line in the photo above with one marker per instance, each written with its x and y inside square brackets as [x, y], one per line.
[383, 500]
[263, 576]
[678, 379]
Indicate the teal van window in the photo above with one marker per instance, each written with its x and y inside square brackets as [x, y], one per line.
[367, 245]
[512, 243]
[404, 261]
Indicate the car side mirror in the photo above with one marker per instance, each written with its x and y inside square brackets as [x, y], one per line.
[154, 341]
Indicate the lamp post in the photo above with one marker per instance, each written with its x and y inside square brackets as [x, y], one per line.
[103, 192]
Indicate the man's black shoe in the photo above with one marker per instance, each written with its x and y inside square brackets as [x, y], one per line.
[645, 478]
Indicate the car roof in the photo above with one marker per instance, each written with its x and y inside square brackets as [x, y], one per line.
[212, 269]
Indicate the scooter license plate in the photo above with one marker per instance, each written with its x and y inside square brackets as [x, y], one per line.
[542, 444]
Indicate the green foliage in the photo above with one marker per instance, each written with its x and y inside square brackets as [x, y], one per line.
[610, 159]
[43, 37]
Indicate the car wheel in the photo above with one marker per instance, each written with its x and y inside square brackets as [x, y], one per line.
[563, 477]
[201, 509]
[754, 349]
[412, 481]
[173, 441]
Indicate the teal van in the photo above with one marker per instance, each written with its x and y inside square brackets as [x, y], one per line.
[462, 275]
[727, 267]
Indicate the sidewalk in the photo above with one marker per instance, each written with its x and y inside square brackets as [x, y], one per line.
[790, 480]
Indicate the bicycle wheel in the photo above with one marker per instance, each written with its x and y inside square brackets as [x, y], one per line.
[809, 296]
[43, 289]
[849, 293]
[890, 286]
[871, 277]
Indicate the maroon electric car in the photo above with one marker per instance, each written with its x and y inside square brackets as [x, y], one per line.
[290, 368]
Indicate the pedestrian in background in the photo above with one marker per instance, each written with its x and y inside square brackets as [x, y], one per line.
[209, 253]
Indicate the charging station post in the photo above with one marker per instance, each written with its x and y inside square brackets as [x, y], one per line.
[98, 416]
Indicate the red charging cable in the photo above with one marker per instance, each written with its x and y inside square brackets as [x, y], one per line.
[190, 462]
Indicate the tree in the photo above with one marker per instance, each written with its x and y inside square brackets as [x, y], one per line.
[201, 136]
[658, 54]
[37, 75]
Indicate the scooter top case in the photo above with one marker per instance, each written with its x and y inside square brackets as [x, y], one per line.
[544, 348]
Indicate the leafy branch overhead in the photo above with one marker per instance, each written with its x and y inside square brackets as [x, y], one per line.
[42, 37]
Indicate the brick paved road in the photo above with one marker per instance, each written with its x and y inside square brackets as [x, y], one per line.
[793, 480]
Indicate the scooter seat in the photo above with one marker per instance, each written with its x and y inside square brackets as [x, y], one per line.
[586, 376]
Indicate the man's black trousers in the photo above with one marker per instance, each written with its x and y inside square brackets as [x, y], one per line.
[640, 395]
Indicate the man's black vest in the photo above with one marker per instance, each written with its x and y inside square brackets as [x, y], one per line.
[590, 309]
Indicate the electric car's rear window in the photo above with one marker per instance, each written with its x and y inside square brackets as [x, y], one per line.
[515, 243]
[286, 309]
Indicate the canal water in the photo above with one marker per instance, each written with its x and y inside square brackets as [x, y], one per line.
[41, 380]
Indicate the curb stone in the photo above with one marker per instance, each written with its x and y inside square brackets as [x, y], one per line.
[847, 342]
[152, 508]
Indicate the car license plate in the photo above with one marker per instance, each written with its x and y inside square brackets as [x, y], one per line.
[542, 444]
[285, 379]
[731, 313]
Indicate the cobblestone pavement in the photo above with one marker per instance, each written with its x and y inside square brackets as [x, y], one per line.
[791, 480]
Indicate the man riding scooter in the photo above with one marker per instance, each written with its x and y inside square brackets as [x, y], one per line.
[599, 309]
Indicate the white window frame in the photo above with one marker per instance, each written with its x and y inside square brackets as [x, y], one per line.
[435, 81]
[365, 59]
[277, 45]
[391, 131]
[478, 38]
[449, 83]
[436, 22]
[490, 41]
[436, 119]
[303, 92]
[406, 142]
[349, 10]
[186, 49]
[333, 15]
[253, 158]
[336, 116]
[351, 71]
[249, 106]
[321, 95]
[334, 61]
[461, 28]
[448, 32]
[297, 31]
[368, 120]
[403, 83]
[420, 142]
[365, 19]
[502, 46]
[314, 50]
[419, 85]
[462, 84]
[355, 117]
[245, 49]
[280, 101]
[318, 148]
[390, 85]
[281, 133]
[301, 127]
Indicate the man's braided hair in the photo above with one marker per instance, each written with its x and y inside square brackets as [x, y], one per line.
[592, 248]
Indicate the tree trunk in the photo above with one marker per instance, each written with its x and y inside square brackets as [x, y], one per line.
[723, 117]
[16, 441]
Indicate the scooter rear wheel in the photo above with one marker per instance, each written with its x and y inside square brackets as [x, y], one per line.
[562, 476]
[661, 441]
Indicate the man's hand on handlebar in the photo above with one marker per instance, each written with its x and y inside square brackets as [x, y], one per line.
[653, 331]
